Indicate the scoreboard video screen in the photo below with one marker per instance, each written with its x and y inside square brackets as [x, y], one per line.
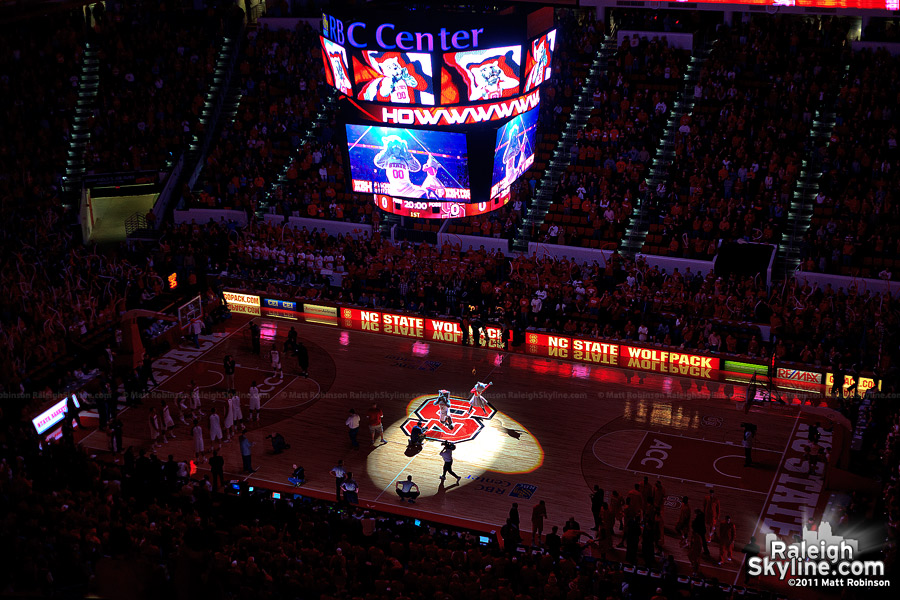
[451, 101]
[394, 77]
[514, 151]
[407, 163]
[337, 73]
[537, 63]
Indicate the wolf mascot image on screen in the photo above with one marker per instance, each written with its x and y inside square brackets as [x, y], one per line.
[339, 72]
[394, 77]
[537, 63]
[398, 162]
[336, 70]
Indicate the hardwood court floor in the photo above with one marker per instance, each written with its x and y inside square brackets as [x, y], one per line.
[559, 429]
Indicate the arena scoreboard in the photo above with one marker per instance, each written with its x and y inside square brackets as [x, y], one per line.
[440, 109]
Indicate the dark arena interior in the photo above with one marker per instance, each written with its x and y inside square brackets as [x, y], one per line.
[575, 300]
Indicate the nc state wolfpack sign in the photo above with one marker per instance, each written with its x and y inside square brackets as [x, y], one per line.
[465, 427]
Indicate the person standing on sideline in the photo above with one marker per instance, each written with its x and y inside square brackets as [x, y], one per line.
[196, 330]
[748, 447]
[276, 363]
[215, 429]
[352, 424]
[596, 505]
[750, 550]
[698, 527]
[375, 427]
[339, 474]
[246, 445]
[147, 372]
[254, 402]
[229, 366]
[726, 540]
[302, 359]
[514, 515]
[683, 526]
[350, 489]
[72, 410]
[254, 337]
[447, 455]
[538, 514]
[408, 490]
[217, 466]
[199, 449]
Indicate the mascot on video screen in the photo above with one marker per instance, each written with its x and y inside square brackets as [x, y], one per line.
[398, 162]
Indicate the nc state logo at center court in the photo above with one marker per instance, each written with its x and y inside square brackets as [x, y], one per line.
[467, 422]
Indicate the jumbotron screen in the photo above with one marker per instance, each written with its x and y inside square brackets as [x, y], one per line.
[407, 163]
[514, 151]
[394, 77]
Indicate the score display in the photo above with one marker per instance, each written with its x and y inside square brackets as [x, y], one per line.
[419, 209]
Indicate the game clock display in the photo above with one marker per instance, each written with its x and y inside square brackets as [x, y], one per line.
[407, 163]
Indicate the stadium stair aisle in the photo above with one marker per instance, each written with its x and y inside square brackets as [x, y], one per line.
[561, 158]
[788, 257]
[324, 116]
[636, 235]
[88, 83]
[222, 100]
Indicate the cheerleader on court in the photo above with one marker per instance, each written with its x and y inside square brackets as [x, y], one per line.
[477, 400]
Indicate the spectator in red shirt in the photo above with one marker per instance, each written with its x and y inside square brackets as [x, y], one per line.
[375, 427]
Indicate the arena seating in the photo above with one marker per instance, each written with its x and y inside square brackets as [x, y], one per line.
[854, 228]
[593, 203]
[738, 156]
[59, 295]
[156, 64]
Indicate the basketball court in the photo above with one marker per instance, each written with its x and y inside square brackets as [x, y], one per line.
[553, 430]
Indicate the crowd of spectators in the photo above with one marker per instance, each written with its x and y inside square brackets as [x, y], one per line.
[56, 291]
[621, 299]
[593, 203]
[738, 155]
[156, 63]
[855, 228]
[282, 89]
[147, 528]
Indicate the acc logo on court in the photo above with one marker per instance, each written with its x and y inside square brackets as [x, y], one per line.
[466, 426]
